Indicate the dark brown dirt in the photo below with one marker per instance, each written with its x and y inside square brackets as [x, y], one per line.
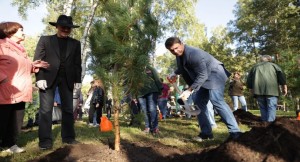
[277, 141]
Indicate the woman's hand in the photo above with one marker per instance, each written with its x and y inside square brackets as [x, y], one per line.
[40, 64]
[97, 105]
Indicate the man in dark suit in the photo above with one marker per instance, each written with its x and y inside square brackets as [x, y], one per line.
[63, 53]
[206, 77]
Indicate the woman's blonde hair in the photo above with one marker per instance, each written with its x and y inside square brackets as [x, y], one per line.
[99, 83]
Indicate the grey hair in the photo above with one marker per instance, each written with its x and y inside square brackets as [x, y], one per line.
[265, 58]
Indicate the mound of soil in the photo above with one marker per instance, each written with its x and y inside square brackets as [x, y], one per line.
[130, 152]
[277, 141]
[247, 118]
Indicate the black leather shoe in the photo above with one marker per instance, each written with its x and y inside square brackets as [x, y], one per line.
[233, 136]
[45, 147]
[72, 142]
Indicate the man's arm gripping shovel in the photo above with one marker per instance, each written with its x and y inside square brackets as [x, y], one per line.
[187, 108]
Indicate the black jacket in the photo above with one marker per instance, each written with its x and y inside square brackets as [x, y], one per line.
[98, 96]
[48, 50]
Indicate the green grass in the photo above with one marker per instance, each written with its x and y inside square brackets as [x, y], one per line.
[278, 113]
[176, 132]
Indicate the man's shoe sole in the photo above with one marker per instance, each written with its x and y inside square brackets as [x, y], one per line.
[45, 148]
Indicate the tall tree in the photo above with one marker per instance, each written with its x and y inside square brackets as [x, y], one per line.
[121, 42]
[265, 26]
[175, 16]
[269, 27]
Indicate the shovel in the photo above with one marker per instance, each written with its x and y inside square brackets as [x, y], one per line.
[188, 109]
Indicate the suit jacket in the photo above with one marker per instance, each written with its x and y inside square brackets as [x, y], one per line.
[48, 50]
[200, 69]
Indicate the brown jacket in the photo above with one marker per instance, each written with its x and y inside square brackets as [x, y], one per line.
[236, 88]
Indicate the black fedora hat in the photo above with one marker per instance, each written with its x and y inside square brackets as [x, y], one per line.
[64, 20]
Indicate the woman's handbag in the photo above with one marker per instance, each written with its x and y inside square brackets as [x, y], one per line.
[56, 114]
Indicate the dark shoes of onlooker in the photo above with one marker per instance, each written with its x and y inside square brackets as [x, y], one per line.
[233, 136]
[155, 131]
[71, 142]
[201, 137]
[45, 147]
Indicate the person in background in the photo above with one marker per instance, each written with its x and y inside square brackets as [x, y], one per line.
[89, 95]
[189, 101]
[77, 104]
[56, 114]
[79, 107]
[172, 106]
[211, 115]
[97, 102]
[64, 56]
[263, 82]
[108, 107]
[147, 98]
[163, 99]
[134, 111]
[171, 101]
[15, 83]
[236, 92]
[206, 77]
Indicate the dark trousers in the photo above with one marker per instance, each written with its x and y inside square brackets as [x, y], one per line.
[45, 113]
[11, 121]
[98, 113]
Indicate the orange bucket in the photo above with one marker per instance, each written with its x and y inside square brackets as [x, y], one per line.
[298, 116]
[105, 125]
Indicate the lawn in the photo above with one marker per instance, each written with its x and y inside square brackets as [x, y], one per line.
[177, 132]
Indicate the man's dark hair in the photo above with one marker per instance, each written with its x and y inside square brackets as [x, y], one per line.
[171, 41]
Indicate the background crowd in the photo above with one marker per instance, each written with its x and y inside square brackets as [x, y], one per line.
[57, 68]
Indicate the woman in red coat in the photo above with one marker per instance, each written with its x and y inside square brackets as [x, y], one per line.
[15, 83]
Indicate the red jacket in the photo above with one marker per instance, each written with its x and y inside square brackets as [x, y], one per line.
[16, 69]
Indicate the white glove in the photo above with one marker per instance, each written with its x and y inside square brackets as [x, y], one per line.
[77, 85]
[185, 95]
[42, 84]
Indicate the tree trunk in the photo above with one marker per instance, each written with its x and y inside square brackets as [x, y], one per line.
[68, 7]
[84, 42]
[116, 123]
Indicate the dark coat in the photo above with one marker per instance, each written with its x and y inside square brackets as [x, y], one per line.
[98, 96]
[48, 50]
[265, 77]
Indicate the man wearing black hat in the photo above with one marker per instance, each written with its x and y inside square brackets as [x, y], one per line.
[63, 53]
